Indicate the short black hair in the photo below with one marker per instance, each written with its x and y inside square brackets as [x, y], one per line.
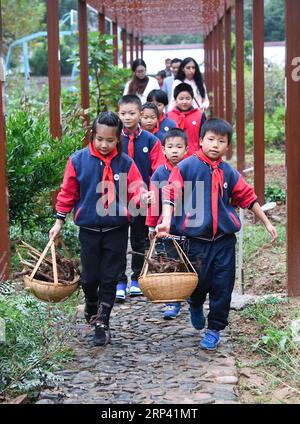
[176, 60]
[161, 74]
[159, 95]
[175, 132]
[217, 126]
[149, 105]
[183, 87]
[130, 98]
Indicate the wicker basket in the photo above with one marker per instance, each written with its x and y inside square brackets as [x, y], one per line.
[168, 287]
[50, 292]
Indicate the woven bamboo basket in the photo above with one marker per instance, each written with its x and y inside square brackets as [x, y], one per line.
[48, 291]
[168, 287]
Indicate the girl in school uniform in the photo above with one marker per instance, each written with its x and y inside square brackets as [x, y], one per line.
[160, 99]
[190, 73]
[150, 118]
[93, 188]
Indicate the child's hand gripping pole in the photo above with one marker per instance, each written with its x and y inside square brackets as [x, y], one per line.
[163, 229]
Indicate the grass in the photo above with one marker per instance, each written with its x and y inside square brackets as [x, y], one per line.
[272, 346]
[256, 237]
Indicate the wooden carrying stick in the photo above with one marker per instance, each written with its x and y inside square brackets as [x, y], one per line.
[51, 241]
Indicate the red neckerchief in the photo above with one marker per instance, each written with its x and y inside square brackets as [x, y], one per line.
[162, 118]
[132, 137]
[168, 165]
[217, 181]
[157, 128]
[108, 176]
[154, 131]
[181, 116]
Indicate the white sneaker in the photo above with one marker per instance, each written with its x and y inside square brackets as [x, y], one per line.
[135, 291]
[121, 291]
[121, 294]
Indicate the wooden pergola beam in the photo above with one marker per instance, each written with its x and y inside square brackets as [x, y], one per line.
[124, 47]
[258, 99]
[137, 47]
[101, 22]
[115, 44]
[142, 48]
[228, 75]
[240, 85]
[215, 71]
[131, 48]
[4, 238]
[54, 68]
[83, 52]
[221, 67]
[292, 19]
[210, 71]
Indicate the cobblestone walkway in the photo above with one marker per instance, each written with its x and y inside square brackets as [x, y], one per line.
[149, 360]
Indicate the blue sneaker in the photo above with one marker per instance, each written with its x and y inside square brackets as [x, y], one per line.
[121, 291]
[134, 289]
[210, 340]
[172, 310]
[197, 316]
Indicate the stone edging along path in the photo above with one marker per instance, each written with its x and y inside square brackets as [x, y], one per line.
[150, 360]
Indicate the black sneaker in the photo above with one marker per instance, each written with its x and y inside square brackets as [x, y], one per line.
[102, 334]
[90, 309]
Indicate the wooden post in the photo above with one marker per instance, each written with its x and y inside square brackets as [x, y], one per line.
[221, 69]
[136, 47]
[240, 90]
[84, 69]
[258, 99]
[101, 22]
[124, 47]
[215, 71]
[228, 82]
[54, 68]
[115, 44]
[131, 48]
[210, 84]
[4, 239]
[142, 48]
[292, 13]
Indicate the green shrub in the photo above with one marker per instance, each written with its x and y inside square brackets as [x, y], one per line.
[35, 166]
[39, 59]
[275, 194]
[274, 129]
[36, 342]
[107, 82]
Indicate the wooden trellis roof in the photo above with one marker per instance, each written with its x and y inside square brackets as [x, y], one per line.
[154, 17]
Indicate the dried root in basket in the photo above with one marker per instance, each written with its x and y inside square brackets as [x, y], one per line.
[161, 263]
[66, 268]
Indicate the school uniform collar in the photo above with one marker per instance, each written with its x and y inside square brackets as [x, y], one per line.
[185, 112]
[136, 132]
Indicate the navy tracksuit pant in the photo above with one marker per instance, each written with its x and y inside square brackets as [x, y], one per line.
[214, 262]
[138, 234]
[102, 254]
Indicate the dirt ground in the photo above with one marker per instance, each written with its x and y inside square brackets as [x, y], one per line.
[260, 380]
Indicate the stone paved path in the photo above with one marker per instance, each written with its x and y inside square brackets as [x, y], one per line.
[149, 360]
